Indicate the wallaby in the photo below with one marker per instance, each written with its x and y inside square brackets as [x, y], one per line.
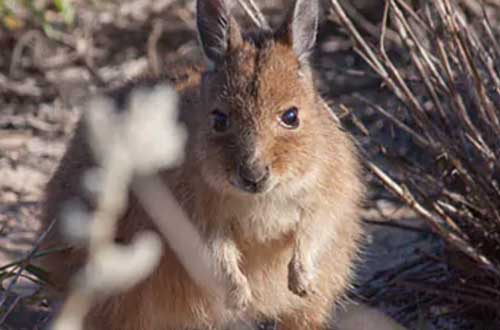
[270, 179]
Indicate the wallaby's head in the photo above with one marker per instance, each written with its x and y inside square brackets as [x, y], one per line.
[259, 105]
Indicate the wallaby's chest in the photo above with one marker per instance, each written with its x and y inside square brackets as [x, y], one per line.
[261, 221]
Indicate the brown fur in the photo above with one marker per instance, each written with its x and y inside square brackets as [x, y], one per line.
[286, 252]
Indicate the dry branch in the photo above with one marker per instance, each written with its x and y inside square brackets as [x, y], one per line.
[451, 111]
[127, 158]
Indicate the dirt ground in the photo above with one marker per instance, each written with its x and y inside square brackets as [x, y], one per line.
[44, 78]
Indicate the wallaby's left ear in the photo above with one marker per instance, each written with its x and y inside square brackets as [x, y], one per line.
[218, 31]
[300, 27]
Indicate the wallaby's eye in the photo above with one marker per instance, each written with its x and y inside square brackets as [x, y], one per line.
[220, 121]
[290, 118]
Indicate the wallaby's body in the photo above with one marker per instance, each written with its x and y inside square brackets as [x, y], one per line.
[270, 180]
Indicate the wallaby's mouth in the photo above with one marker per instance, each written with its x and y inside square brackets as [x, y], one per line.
[252, 187]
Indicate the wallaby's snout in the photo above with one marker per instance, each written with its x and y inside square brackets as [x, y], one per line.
[253, 177]
[252, 171]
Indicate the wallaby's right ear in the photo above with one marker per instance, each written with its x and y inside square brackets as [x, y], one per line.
[300, 27]
[219, 32]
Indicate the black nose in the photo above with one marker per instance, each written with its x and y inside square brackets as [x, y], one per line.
[253, 174]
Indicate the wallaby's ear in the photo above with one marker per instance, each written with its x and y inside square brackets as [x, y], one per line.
[300, 27]
[218, 30]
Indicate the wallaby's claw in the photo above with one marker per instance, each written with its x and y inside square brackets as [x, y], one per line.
[300, 280]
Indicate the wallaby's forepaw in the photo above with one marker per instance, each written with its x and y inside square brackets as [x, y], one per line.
[239, 296]
[300, 279]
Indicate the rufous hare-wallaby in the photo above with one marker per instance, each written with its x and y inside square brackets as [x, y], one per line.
[270, 180]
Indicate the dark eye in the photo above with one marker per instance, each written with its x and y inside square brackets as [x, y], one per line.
[290, 118]
[220, 121]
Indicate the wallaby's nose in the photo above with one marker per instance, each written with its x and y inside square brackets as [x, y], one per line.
[253, 176]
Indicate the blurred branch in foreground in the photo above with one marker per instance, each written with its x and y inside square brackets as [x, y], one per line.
[126, 145]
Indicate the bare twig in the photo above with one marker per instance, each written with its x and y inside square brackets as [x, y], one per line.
[154, 37]
[368, 26]
[255, 14]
